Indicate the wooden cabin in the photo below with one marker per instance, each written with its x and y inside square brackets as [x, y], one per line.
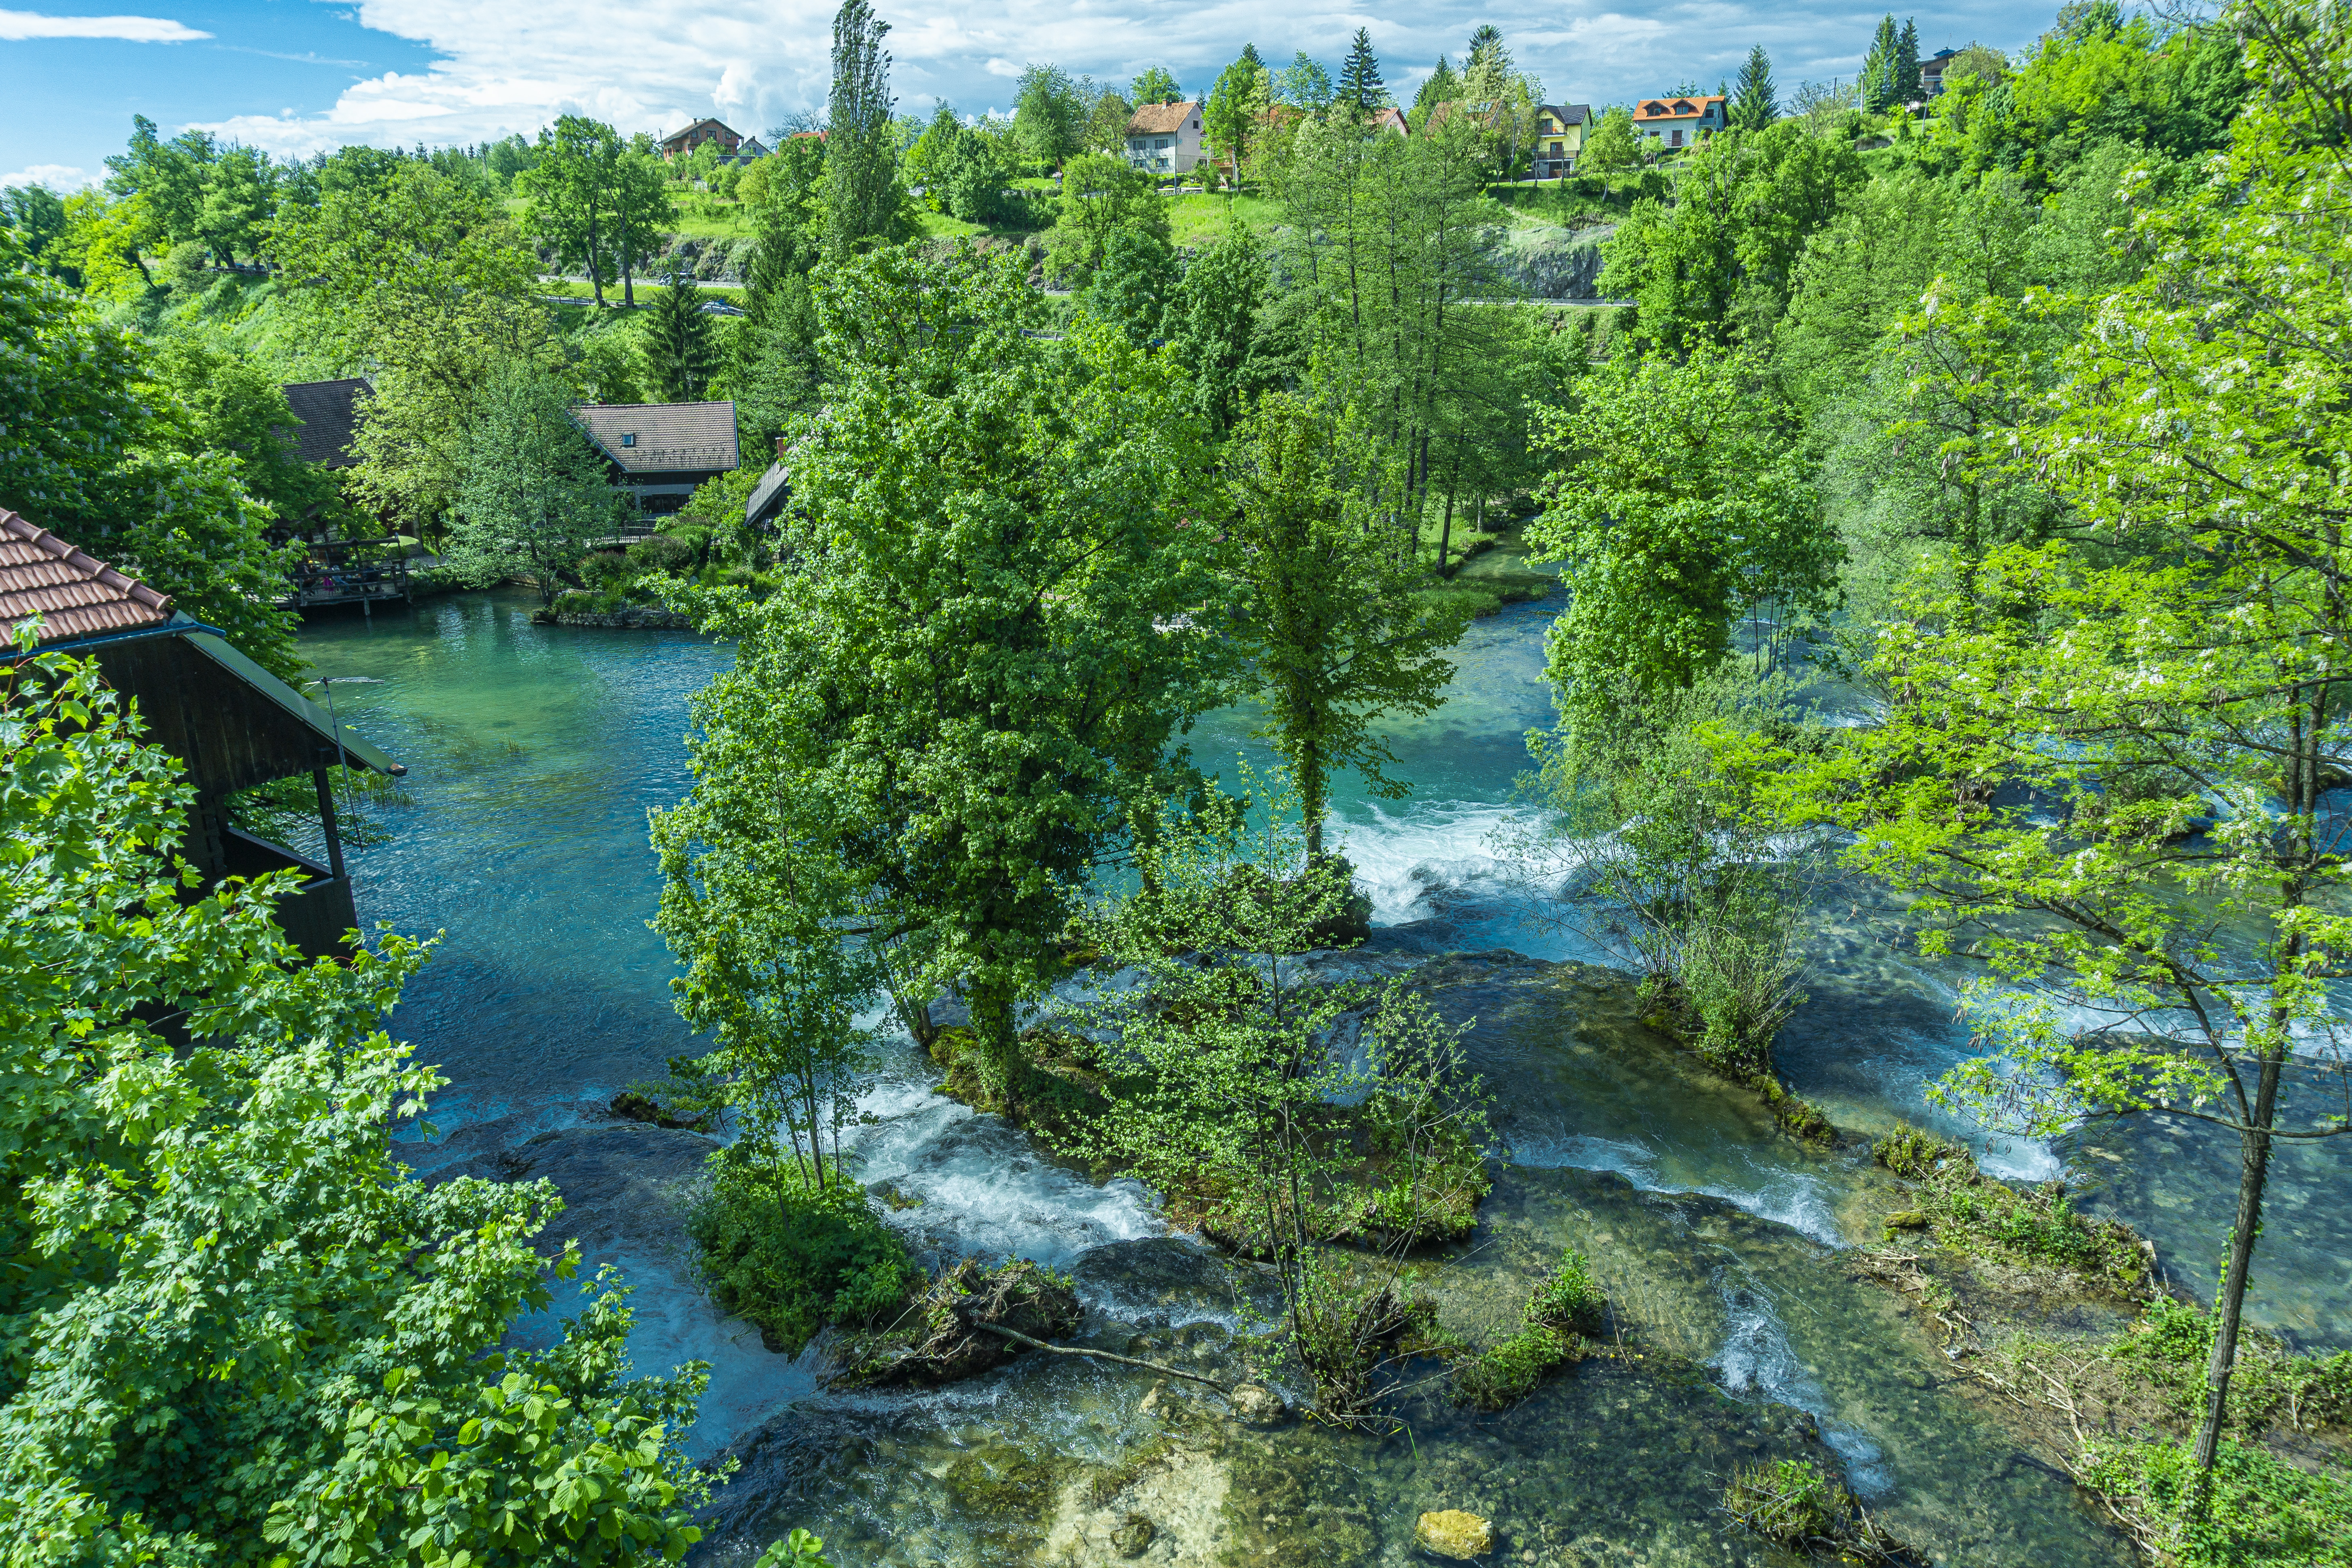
[335, 571]
[233, 725]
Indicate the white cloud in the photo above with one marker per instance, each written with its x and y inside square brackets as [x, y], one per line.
[17, 26]
[655, 65]
[61, 178]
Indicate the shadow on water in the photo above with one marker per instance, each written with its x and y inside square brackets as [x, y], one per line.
[534, 754]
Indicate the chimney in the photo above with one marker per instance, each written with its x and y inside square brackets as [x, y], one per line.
[780, 448]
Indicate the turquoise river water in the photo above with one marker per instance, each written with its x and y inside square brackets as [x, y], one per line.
[533, 755]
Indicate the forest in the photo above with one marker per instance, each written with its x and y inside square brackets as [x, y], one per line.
[2016, 413]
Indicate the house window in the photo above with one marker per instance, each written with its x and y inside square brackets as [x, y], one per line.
[1677, 138]
[630, 439]
[1555, 148]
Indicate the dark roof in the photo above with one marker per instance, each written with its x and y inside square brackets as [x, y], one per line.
[75, 596]
[1160, 119]
[768, 498]
[663, 437]
[1568, 113]
[697, 125]
[330, 412]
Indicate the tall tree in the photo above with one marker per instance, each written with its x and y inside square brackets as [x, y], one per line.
[1486, 64]
[1906, 63]
[1049, 116]
[1211, 316]
[861, 176]
[536, 493]
[1304, 84]
[1236, 112]
[1754, 101]
[680, 348]
[572, 194]
[1155, 85]
[1613, 150]
[1360, 88]
[642, 209]
[1879, 79]
[1101, 196]
[1341, 633]
[981, 657]
[1443, 85]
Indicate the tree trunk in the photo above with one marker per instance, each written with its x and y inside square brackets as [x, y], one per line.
[991, 1025]
[1445, 532]
[2253, 1170]
[1310, 796]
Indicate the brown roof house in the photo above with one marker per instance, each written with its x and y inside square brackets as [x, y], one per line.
[1165, 139]
[679, 143]
[233, 725]
[660, 452]
[1673, 122]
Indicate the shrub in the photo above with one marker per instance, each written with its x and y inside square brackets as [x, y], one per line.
[1789, 1502]
[661, 552]
[793, 1256]
[2167, 1350]
[2026, 1228]
[1509, 1372]
[606, 569]
[1568, 1299]
[2261, 1512]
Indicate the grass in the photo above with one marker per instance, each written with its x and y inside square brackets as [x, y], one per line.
[1203, 220]
[2023, 1227]
[1565, 1310]
[2259, 1512]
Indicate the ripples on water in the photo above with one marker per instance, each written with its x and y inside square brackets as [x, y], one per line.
[534, 754]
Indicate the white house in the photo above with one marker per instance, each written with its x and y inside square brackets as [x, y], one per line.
[1165, 139]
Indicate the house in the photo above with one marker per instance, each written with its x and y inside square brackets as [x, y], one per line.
[337, 571]
[766, 503]
[1165, 139]
[1931, 71]
[233, 725]
[1673, 122]
[1560, 137]
[682, 144]
[660, 452]
[1388, 122]
[751, 150]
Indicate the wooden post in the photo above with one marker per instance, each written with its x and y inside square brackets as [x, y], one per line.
[327, 821]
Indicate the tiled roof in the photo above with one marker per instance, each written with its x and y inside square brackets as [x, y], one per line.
[1160, 119]
[328, 411]
[1389, 119]
[663, 437]
[1568, 113]
[75, 596]
[716, 125]
[1654, 108]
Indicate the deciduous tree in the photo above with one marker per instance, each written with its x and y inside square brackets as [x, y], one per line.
[861, 176]
[535, 493]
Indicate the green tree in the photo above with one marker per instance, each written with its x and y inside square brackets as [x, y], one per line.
[1107, 118]
[642, 209]
[1360, 88]
[571, 193]
[37, 217]
[224, 403]
[1155, 85]
[240, 193]
[1135, 285]
[1211, 318]
[1755, 103]
[679, 346]
[1442, 85]
[234, 1328]
[1101, 196]
[1236, 112]
[980, 656]
[861, 179]
[2177, 676]
[1049, 116]
[424, 284]
[536, 493]
[1340, 634]
[1613, 150]
[167, 178]
[1907, 87]
[1685, 506]
[94, 450]
[1304, 84]
[1879, 81]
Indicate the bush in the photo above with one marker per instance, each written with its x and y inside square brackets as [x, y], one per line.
[606, 569]
[1916, 1155]
[2031, 1228]
[1789, 1502]
[2167, 1350]
[2261, 1512]
[661, 552]
[1509, 1372]
[1570, 1299]
[792, 1257]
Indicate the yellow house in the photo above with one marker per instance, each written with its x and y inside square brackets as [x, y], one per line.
[1559, 137]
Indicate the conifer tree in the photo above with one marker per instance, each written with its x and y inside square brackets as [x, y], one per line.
[679, 346]
[1753, 105]
[1442, 84]
[1878, 83]
[1906, 63]
[1360, 87]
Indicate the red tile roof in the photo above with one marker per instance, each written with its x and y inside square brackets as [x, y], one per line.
[1653, 109]
[75, 596]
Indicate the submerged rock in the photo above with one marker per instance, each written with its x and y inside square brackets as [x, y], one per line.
[1133, 1536]
[1258, 1405]
[620, 1182]
[1454, 1533]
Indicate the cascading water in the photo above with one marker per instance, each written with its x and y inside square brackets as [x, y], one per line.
[534, 753]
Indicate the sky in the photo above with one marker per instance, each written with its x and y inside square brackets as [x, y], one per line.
[296, 76]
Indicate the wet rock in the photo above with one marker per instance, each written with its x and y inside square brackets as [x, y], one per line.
[630, 1106]
[1450, 1533]
[620, 1182]
[1258, 1405]
[1133, 1536]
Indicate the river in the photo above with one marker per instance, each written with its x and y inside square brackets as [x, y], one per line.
[533, 755]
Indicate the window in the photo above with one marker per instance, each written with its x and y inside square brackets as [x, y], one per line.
[1678, 137]
[630, 439]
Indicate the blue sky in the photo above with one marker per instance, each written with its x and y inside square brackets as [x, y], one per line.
[296, 75]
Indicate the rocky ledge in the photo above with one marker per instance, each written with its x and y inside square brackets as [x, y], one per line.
[628, 617]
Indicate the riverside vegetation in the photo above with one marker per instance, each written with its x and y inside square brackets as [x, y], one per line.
[2009, 414]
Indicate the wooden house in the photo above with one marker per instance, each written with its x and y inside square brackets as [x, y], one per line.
[658, 452]
[233, 725]
[345, 570]
[682, 144]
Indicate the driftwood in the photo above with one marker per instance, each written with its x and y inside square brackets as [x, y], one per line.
[1016, 1334]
